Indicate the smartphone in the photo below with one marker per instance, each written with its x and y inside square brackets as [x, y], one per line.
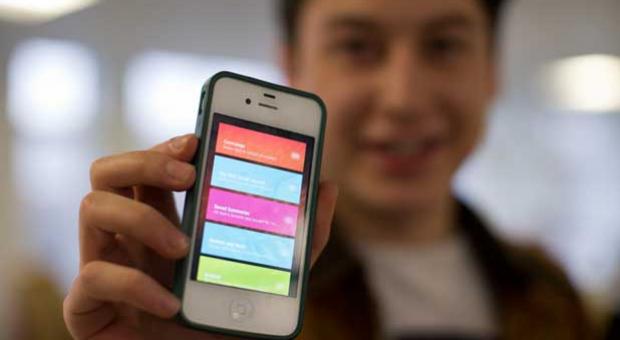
[251, 211]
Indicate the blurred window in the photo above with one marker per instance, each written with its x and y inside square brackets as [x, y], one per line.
[162, 90]
[584, 84]
[52, 88]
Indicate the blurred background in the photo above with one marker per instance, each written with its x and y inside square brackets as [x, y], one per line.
[80, 79]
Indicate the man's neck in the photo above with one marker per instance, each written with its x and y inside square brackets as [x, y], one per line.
[418, 225]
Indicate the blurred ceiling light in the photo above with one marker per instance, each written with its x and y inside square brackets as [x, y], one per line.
[52, 88]
[39, 10]
[585, 84]
[162, 90]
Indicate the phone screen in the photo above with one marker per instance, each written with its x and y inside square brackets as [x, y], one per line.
[253, 204]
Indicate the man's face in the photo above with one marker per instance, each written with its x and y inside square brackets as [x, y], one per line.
[406, 84]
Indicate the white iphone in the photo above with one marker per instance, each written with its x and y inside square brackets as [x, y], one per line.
[250, 213]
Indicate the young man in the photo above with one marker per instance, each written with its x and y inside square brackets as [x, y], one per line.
[406, 83]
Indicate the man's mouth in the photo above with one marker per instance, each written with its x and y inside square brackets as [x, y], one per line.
[403, 157]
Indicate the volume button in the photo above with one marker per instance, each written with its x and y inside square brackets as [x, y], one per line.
[199, 123]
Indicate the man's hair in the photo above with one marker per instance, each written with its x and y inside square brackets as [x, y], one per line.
[289, 11]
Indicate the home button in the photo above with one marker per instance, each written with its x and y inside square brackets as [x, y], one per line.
[241, 309]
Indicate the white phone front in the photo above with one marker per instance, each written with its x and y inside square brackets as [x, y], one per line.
[251, 210]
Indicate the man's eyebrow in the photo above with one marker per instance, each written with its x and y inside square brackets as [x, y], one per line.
[352, 21]
[435, 23]
[450, 21]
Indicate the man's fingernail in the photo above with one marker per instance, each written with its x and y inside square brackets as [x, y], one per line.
[178, 143]
[170, 304]
[335, 190]
[178, 170]
[332, 189]
[178, 242]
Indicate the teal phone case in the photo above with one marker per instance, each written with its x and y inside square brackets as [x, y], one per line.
[192, 196]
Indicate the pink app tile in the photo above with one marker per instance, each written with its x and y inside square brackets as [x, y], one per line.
[252, 212]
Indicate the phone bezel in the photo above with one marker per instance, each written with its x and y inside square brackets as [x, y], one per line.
[299, 112]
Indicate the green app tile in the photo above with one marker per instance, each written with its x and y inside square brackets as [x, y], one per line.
[241, 275]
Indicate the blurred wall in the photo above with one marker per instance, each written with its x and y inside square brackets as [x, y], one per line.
[43, 179]
[547, 173]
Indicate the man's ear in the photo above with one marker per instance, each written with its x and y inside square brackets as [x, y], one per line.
[286, 61]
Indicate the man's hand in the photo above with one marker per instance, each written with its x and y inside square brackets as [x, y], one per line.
[129, 241]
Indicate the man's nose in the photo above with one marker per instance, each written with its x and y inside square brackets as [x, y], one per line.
[406, 85]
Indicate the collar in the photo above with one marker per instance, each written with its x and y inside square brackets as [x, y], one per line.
[501, 270]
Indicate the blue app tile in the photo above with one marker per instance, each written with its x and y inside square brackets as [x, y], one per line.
[246, 245]
[256, 179]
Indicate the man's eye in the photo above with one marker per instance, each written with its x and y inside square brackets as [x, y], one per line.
[445, 47]
[358, 49]
[355, 46]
